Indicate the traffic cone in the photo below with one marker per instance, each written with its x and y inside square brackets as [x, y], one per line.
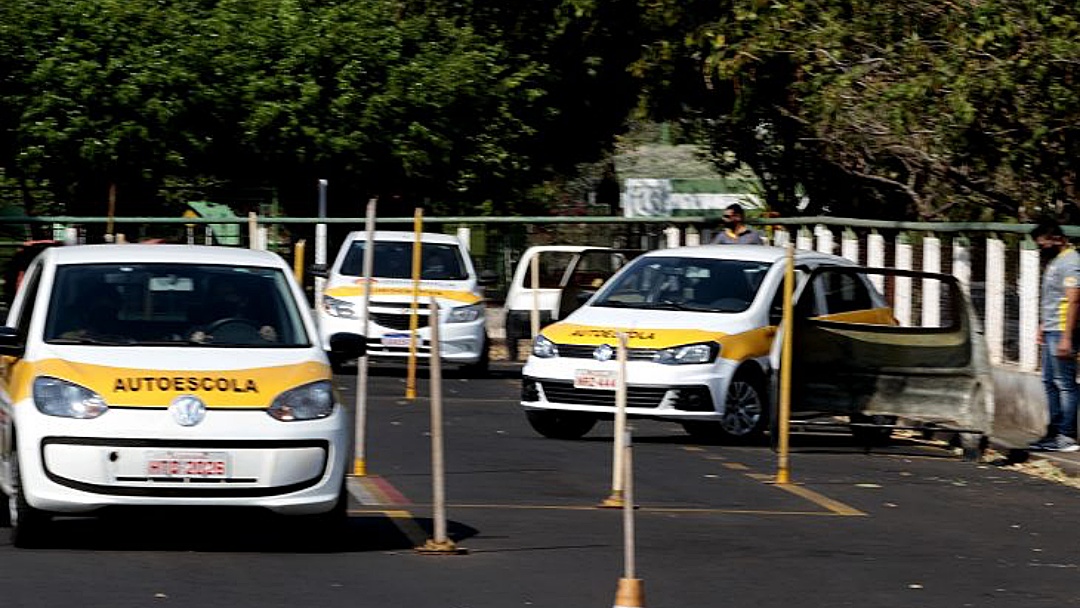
[630, 593]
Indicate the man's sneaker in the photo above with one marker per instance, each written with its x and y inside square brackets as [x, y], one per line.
[1041, 444]
[1061, 443]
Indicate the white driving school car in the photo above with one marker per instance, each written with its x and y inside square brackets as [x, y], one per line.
[166, 375]
[701, 323]
[446, 273]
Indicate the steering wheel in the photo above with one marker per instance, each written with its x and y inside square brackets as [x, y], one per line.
[217, 325]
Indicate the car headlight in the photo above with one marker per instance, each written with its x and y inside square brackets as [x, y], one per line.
[688, 354]
[339, 308]
[464, 314]
[57, 397]
[307, 402]
[544, 348]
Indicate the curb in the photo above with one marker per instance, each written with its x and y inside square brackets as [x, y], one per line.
[1069, 462]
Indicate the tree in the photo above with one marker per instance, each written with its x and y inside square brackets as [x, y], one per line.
[882, 109]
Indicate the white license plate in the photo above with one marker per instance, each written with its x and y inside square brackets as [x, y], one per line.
[187, 465]
[595, 379]
[397, 340]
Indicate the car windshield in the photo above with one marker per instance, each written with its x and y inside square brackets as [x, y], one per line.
[173, 305]
[695, 284]
[393, 260]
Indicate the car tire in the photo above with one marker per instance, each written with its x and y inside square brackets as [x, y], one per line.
[482, 366]
[340, 365]
[746, 414]
[512, 350]
[27, 523]
[870, 436]
[555, 424]
[327, 530]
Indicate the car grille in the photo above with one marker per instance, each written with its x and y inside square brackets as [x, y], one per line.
[585, 351]
[399, 321]
[636, 396]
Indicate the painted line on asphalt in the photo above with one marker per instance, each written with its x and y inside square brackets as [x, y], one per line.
[639, 509]
[821, 500]
[371, 490]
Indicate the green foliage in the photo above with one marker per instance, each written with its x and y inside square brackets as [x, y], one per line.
[409, 101]
[890, 108]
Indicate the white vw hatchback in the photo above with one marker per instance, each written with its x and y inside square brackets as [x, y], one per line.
[155, 375]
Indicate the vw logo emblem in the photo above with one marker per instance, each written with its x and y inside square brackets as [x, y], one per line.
[187, 410]
[603, 353]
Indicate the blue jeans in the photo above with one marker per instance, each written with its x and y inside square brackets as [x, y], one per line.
[1059, 381]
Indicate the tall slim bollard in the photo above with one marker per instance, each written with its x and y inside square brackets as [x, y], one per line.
[414, 323]
[360, 433]
[534, 312]
[617, 499]
[441, 543]
[783, 472]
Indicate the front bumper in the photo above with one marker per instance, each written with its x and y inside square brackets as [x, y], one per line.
[460, 342]
[654, 390]
[73, 466]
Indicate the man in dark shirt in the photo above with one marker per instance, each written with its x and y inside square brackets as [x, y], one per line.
[735, 232]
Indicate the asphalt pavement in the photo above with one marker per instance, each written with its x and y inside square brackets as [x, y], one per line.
[905, 524]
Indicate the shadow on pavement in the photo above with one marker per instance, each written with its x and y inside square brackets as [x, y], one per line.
[214, 531]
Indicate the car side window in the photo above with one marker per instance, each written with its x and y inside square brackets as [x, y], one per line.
[843, 293]
[776, 308]
[26, 306]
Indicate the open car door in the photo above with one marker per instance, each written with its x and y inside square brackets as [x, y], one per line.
[924, 364]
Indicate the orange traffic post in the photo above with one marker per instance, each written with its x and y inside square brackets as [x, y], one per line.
[783, 472]
[414, 324]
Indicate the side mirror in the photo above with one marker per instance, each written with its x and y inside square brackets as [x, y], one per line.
[487, 277]
[348, 346]
[319, 270]
[10, 342]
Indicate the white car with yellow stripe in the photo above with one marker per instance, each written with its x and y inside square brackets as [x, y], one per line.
[166, 375]
[446, 273]
[700, 323]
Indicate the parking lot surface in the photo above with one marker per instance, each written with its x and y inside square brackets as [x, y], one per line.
[906, 524]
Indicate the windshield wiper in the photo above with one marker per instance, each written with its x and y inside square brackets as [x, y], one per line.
[114, 341]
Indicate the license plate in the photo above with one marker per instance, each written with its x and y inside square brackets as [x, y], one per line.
[187, 465]
[595, 379]
[397, 340]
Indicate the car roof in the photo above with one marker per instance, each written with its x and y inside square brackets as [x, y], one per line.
[176, 254]
[749, 253]
[404, 235]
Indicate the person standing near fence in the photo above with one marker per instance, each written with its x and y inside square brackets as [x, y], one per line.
[735, 232]
[1059, 308]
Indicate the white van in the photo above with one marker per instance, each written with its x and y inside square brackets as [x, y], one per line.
[447, 274]
[568, 276]
[166, 375]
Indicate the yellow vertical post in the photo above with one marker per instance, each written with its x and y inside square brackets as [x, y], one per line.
[783, 473]
[298, 261]
[418, 226]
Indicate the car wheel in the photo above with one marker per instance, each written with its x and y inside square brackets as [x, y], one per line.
[27, 523]
[481, 367]
[871, 435]
[339, 365]
[554, 424]
[512, 350]
[327, 530]
[746, 415]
